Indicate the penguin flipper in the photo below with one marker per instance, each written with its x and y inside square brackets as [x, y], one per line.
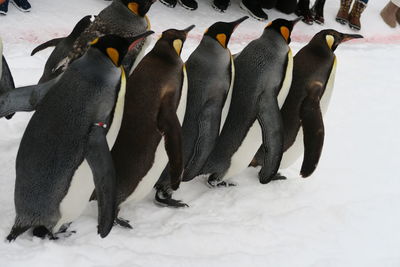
[24, 98]
[99, 158]
[168, 123]
[50, 43]
[313, 130]
[270, 120]
[208, 131]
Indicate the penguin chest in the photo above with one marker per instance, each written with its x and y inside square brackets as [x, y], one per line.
[297, 149]
[147, 183]
[82, 185]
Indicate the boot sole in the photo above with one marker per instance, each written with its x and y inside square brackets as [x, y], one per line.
[242, 6]
[20, 9]
[354, 27]
[167, 4]
[342, 21]
[186, 7]
[3, 13]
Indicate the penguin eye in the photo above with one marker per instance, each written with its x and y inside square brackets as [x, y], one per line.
[113, 55]
[330, 40]
[178, 45]
[285, 33]
[222, 39]
[134, 7]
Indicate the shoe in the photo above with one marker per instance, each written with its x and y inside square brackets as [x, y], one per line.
[221, 5]
[254, 9]
[318, 12]
[390, 15]
[303, 10]
[355, 14]
[4, 8]
[169, 3]
[22, 5]
[188, 4]
[343, 14]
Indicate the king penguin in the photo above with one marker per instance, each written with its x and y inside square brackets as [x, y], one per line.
[314, 70]
[154, 109]
[77, 119]
[262, 80]
[210, 70]
[62, 48]
[6, 79]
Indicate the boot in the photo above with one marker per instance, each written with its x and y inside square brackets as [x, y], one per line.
[169, 3]
[22, 5]
[355, 14]
[318, 11]
[303, 10]
[343, 14]
[389, 14]
[221, 5]
[254, 9]
[4, 8]
[188, 4]
[398, 16]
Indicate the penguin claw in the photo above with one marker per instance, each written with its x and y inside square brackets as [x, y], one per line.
[123, 223]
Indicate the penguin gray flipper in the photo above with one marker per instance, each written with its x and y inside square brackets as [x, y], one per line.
[313, 130]
[24, 98]
[6, 81]
[207, 127]
[50, 43]
[270, 120]
[99, 158]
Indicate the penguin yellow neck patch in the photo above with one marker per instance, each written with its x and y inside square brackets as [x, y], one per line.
[222, 39]
[134, 7]
[178, 46]
[113, 55]
[330, 40]
[285, 33]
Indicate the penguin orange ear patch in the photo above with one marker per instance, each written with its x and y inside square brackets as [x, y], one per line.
[134, 7]
[178, 46]
[222, 39]
[94, 41]
[113, 55]
[269, 24]
[330, 40]
[285, 33]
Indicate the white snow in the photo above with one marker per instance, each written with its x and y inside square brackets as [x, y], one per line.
[346, 214]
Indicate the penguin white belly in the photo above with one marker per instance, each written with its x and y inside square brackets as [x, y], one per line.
[253, 140]
[82, 184]
[297, 149]
[1, 58]
[147, 183]
[228, 100]
[141, 54]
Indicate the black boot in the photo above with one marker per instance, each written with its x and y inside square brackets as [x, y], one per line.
[188, 4]
[254, 9]
[303, 10]
[221, 5]
[169, 3]
[318, 11]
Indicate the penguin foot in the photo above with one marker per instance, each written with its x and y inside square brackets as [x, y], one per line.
[62, 235]
[215, 183]
[278, 176]
[123, 223]
[165, 200]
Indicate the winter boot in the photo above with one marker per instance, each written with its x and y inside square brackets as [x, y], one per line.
[22, 5]
[343, 14]
[4, 8]
[188, 4]
[355, 14]
[389, 14]
[398, 16]
[303, 10]
[221, 5]
[169, 3]
[254, 9]
[318, 11]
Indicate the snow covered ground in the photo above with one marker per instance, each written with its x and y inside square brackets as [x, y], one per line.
[346, 214]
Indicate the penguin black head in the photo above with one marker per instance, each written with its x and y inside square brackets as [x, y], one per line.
[138, 7]
[176, 38]
[283, 27]
[222, 31]
[116, 47]
[333, 38]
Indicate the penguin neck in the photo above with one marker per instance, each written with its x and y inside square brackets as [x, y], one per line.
[210, 42]
[100, 60]
[269, 33]
[165, 50]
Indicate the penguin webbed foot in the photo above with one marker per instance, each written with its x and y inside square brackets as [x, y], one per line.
[164, 199]
[213, 182]
[123, 223]
[276, 177]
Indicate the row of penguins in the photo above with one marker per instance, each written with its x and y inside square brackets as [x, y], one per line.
[99, 112]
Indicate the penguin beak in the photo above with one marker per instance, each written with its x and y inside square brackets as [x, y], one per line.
[294, 22]
[348, 37]
[135, 40]
[188, 29]
[237, 22]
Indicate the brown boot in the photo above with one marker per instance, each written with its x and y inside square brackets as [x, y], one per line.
[389, 14]
[398, 16]
[343, 14]
[355, 14]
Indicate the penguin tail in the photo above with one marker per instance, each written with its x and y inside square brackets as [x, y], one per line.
[52, 42]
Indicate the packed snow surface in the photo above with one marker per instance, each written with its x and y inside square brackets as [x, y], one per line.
[345, 214]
